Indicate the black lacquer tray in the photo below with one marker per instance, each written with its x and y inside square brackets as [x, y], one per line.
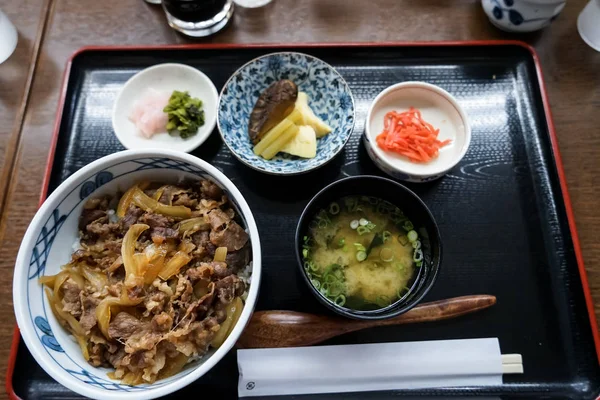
[503, 212]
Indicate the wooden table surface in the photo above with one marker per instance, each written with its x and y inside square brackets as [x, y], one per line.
[30, 83]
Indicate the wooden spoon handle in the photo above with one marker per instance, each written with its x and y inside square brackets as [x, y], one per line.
[441, 309]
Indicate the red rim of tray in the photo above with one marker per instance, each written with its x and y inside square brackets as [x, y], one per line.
[545, 102]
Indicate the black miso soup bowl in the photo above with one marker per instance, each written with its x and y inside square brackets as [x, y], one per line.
[412, 206]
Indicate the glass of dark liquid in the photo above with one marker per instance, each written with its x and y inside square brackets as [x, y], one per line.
[198, 18]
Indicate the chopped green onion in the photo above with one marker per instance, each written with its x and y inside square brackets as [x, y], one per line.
[408, 226]
[370, 226]
[418, 256]
[354, 224]
[402, 289]
[362, 230]
[363, 222]
[412, 236]
[387, 235]
[305, 253]
[419, 264]
[386, 254]
[314, 267]
[340, 300]
[334, 208]
[307, 265]
[361, 256]
[403, 240]
[341, 242]
[360, 247]
[416, 244]
[316, 283]
[322, 223]
[399, 266]
[382, 301]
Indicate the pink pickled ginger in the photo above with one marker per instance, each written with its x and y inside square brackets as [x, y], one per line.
[147, 113]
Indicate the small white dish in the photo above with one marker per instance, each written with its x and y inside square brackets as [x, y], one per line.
[8, 37]
[165, 78]
[437, 107]
[587, 24]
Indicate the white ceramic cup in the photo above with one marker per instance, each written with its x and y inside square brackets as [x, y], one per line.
[522, 15]
[588, 24]
[8, 37]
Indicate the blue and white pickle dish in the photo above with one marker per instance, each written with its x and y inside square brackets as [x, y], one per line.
[329, 97]
[440, 109]
[522, 15]
[50, 240]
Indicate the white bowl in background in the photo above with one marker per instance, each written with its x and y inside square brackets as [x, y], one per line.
[165, 78]
[522, 15]
[48, 244]
[439, 108]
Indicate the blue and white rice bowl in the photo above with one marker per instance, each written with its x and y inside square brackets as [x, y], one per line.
[49, 242]
[329, 97]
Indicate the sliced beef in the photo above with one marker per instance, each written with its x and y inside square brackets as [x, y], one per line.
[102, 228]
[204, 271]
[229, 288]
[124, 325]
[221, 269]
[160, 227]
[202, 241]
[203, 332]
[142, 339]
[162, 322]
[88, 316]
[218, 219]
[210, 190]
[234, 237]
[71, 299]
[130, 217]
[116, 358]
[155, 302]
[114, 245]
[159, 235]
[155, 220]
[88, 216]
[238, 260]
[184, 199]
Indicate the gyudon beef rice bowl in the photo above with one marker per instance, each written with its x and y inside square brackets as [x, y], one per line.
[158, 277]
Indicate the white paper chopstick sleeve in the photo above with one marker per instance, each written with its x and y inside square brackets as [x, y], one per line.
[368, 367]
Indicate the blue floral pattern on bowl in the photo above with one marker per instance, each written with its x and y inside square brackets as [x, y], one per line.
[522, 15]
[329, 97]
[52, 249]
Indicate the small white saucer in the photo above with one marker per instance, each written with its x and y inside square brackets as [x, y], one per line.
[165, 78]
[437, 107]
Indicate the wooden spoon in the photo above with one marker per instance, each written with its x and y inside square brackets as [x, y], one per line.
[291, 328]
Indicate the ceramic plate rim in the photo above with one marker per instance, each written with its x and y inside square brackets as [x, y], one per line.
[192, 143]
[466, 131]
[304, 171]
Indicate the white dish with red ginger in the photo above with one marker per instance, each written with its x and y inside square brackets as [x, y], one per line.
[437, 108]
[138, 119]
[160, 324]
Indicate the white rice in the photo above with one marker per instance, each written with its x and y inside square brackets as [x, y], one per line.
[245, 276]
[112, 216]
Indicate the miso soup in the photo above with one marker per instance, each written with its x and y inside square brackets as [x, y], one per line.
[362, 253]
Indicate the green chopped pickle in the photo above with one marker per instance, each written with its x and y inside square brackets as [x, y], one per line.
[185, 114]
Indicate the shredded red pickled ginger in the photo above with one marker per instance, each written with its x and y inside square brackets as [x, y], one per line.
[406, 133]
